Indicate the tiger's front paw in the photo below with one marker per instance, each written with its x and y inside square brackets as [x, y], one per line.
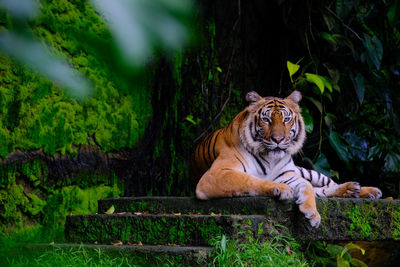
[283, 191]
[349, 189]
[315, 220]
[311, 214]
[370, 192]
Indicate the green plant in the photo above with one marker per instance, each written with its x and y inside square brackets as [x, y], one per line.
[280, 251]
[323, 254]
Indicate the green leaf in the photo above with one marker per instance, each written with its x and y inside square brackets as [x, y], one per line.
[349, 246]
[189, 118]
[374, 49]
[393, 13]
[316, 103]
[333, 73]
[339, 146]
[329, 118]
[358, 83]
[342, 262]
[292, 68]
[327, 83]
[392, 162]
[110, 210]
[139, 27]
[316, 79]
[308, 119]
[357, 263]
[219, 69]
[322, 166]
[223, 243]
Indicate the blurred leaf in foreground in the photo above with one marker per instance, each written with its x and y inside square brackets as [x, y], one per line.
[141, 26]
[36, 56]
[20, 9]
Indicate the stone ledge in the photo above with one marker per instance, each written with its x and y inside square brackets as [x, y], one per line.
[197, 222]
[342, 218]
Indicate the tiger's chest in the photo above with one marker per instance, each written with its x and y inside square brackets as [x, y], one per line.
[269, 168]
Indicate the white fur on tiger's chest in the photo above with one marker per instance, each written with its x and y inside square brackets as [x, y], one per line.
[268, 168]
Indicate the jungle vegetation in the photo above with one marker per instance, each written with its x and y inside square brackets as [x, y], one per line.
[87, 112]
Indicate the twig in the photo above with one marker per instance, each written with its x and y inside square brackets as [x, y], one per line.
[344, 24]
[215, 118]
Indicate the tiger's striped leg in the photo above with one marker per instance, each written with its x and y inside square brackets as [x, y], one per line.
[326, 187]
[304, 195]
[226, 182]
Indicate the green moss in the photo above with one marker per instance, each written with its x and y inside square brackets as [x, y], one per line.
[395, 223]
[364, 218]
[39, 115]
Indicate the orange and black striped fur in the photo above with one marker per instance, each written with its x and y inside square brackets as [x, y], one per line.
[252, 156]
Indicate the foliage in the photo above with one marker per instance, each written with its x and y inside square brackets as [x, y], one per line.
[349, 81]
[278, 252]
[323, 254]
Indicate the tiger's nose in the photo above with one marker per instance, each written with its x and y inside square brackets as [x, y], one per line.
[277, 138]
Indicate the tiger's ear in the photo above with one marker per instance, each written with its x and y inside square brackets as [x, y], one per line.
[295, 96]
[252, 97]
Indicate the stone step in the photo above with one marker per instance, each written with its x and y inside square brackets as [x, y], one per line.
[187, 205]
[185, 255]
[152, 229]
[184, 220]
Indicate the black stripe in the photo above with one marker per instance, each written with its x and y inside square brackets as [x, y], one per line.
[323, 192]
[265, 160]
[301, 170]
[290, 180]
[310, 175]
[260, 164]
[244, 168]
[283, 173]
[209, 148]
[215, 141]
[252, 133]
[204, 152]
[319, 177]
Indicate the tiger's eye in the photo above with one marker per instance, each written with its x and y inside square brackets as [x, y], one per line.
[286, 119]
[266, 120]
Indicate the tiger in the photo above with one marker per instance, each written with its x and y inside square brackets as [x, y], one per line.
[252, 156]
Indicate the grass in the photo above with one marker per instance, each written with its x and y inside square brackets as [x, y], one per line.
[281, 251]
[80, 256]
[278, 252]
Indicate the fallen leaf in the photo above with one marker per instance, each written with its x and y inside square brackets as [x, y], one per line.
[140, 244]
[177, 214]
[52, 243]
[117, 243]
[138, 213]
[110, 210]
[122, 212]
[391, 198]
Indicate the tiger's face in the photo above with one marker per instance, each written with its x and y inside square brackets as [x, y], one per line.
[274, 125]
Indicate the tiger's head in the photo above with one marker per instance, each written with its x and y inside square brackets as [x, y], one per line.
[273, 125]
